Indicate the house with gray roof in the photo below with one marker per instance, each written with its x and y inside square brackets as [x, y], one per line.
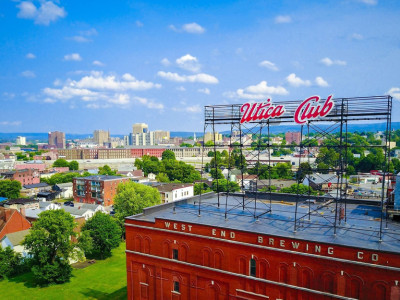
[14, 241]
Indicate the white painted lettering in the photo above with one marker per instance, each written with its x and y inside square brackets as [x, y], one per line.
[375, 257]
[360, 255]
[260, 239]
[317, 249]
[190, 227]
[175, 226]
[167, 224]
[295, 245]
[232, 235]
[330, 250]
[282, 243]
[183, 227]
[214, 231]
[271, 241]
[222, 233]
[306, 247]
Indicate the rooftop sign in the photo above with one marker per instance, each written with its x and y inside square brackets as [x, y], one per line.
[309, 109]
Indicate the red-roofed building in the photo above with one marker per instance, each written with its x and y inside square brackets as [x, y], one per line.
[11, 220]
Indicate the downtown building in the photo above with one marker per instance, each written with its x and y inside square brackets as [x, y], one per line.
[57, 139]
[189, 249]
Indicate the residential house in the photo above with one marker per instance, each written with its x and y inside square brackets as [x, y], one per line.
[79, 211]
[245, 180]
[65, 190]
[33, 164]
[14, 241]
[11, 220]
[171, 192]
[265, 183]
[25, 176]
[30, 190]
[21, 203]
[323, 182]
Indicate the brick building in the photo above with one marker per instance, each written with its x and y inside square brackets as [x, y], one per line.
[25, 176]
[11, 220]
[291, 137]
[57, 139]
[176, 251]
[98, 189]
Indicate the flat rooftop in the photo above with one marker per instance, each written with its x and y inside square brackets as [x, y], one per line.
[315, 221]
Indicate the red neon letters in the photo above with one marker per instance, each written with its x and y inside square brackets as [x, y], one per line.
[309, 109]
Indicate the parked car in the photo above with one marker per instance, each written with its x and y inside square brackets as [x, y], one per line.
[69, 203]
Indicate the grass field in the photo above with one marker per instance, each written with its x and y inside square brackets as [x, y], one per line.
[103, 280]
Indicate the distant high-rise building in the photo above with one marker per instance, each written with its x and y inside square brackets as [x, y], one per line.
[291, 137]
[142, 139]
[140, 128]
[21, 140]
[161, 136]
[208, 136]
[57, 138]
[101, 137]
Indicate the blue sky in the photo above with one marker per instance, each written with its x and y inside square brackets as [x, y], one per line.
[77, 66]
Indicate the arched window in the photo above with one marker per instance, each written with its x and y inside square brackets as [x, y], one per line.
[253, 268]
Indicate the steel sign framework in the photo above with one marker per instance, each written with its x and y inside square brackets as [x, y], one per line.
[256, 199]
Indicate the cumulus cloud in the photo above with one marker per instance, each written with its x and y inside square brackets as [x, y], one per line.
[269, 65]
[193, 28]
[47, 12]
[72, 57]
[30, 56]
[97, 63]
[257, 92]
[102, 91]
[84, 35]
[189, 63]
[295, 81]
[10, 123]
[204, 91]
[394, 92]
[28, 74]
[283, 19]
[321, 82]
[165, 62]
[329, 62]
[202, 77]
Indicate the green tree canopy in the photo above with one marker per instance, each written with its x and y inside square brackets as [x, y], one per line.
[168, 154]
[49, 244]
[105, 233]
[74, 165]
[10, 188]
[202, 188]
[132, 197]
[60, 163]
[223, 185]
[106, 170]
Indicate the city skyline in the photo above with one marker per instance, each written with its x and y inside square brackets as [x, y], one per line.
[78, 67]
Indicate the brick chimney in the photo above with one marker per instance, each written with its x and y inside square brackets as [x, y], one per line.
[22, 211]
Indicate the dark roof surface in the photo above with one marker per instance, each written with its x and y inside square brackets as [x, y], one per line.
[100, 177]
[361, 229]
[168, 187]
[36, 185]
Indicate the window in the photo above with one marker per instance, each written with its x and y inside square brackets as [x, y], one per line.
[253, 267]
[176, 287]
[175, 254]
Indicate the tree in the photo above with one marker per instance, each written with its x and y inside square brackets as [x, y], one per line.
[168, 154]
[74, 165]
[216, 173]
[11, 263]
[304, 169]
[106, 170]
[209, 144]
[105, 233]
[201, 188]
[132, 197]
[162, 177]
[298, 189]
[223, 185]
[49, 244]
[60, 163]
[10, 188]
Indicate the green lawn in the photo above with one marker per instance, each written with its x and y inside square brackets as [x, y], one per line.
[103, 280]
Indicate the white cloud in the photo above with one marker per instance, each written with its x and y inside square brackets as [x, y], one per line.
[321, 82]
[89, 32]
[283, 19]
[329, 62]
[189, 28]
[10, 123]
[73, 57]
[204, 91]
[46, 13]
[295, 81]
[180, 88]
[28, 74]
[257, 92]
[102, 91]
[189, 63]
[97, 63]
[165, 62]
[369, 2]
[139, 24]
[80, 39]
[30, 56]
[202, 77]
[84, 35]
[394, 92]
[191, 109]
[269, 65]
[356, 36]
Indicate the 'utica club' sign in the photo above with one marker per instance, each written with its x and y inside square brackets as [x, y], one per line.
[309, 109]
